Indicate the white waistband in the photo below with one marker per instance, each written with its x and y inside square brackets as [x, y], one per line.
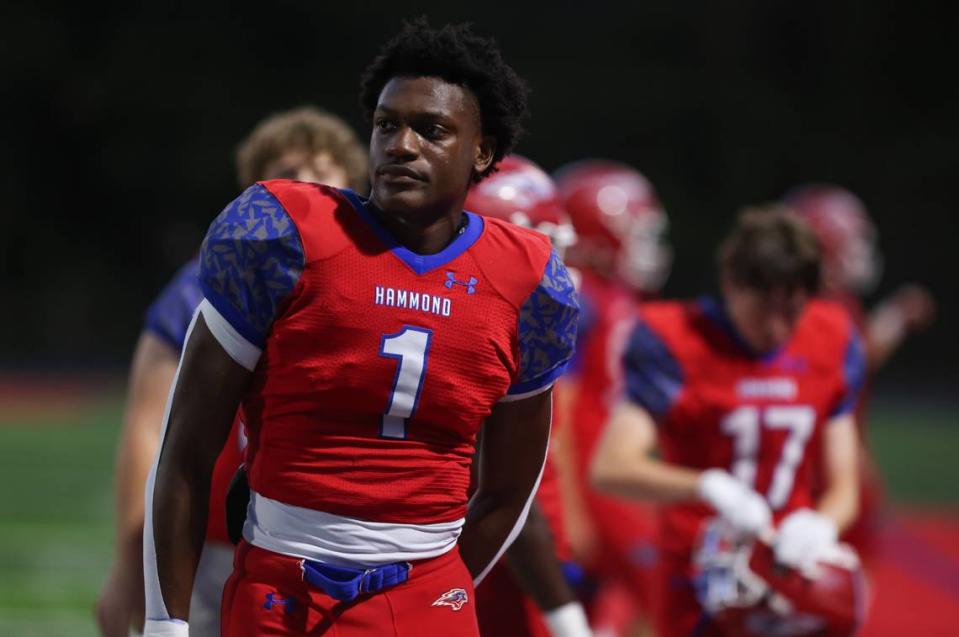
[335, 539]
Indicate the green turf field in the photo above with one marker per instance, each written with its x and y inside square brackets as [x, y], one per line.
[55, 531]
[55, 480]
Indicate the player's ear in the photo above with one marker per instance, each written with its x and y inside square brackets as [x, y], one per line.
[483, 157]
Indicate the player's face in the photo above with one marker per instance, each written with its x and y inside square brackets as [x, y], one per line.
[426, 145]
[764, 320]
[301, 165]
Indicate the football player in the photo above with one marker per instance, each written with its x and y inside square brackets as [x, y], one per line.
[852, 267]
[740, 395]
[623, 257]
[312, 146]
[526, 594]
[367, 341]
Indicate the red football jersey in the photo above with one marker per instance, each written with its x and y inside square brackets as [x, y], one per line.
[625, 528]
[608, 316]
[718, 404]
[373, 366]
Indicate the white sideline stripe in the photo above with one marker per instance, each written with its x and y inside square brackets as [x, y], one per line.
[241, 350]
[155, 606]
[339, 540]
[508, 398]
[522, 516]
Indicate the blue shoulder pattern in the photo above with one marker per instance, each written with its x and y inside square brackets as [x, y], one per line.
[170, 313]
[854, 374]
[250, 261]
[653, 376]
[547, 329]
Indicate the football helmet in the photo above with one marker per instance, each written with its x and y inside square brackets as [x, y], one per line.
[522, 193]
[747, 594]
[619, 221]
[848, 237]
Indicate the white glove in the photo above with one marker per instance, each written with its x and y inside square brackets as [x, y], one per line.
[166, 628]
[742, 508]
[803, 537]
[569, 620]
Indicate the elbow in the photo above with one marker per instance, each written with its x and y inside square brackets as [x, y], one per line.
[602, 473]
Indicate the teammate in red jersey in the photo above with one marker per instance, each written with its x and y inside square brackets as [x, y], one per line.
[526, 593]
[740, 396]
[623, 257]
[314, 146]
[852, 267]
[368, 341]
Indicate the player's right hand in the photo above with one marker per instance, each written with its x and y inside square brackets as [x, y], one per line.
[738, 505]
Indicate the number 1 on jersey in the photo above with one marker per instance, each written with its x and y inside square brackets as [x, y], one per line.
[411, 347]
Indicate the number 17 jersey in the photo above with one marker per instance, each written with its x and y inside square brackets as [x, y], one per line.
[718, 404]
[374, 367]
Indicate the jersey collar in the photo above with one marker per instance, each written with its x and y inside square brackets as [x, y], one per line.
[715, 310]
[419, 263]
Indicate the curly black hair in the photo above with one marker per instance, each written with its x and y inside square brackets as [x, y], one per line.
[457, 55]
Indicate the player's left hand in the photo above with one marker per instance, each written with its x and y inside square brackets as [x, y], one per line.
[117, 607]
[803, 537]
[916, 306]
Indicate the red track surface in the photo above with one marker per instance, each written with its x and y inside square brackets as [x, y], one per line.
[28, 398]
[915, 578]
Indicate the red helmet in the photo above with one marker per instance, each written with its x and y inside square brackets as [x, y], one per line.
[851, 259]
[619, 221]
[522, 193]
[748, 594]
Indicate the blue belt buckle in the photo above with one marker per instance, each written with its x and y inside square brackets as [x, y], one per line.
[346, 584]
[364, 579]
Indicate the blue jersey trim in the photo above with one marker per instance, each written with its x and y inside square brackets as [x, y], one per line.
[419, 263]
[237, 319]
[547, 329]
[537, 383]
[854, 374]
[715, 310]
[250, 261]
[653, 376]
[169, 316]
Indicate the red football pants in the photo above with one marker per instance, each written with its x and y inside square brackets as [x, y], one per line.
[504, 610]
[266, 595]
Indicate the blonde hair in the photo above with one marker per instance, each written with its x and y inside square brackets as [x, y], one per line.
[309, 129]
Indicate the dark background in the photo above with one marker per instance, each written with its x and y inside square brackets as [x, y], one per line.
[119, 123]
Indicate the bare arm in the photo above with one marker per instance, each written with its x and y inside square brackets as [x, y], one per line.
[511, 456]
[533, 563]
[205, 399]
[840, 502]
[624, 465]
[579, 525]
[908, 309]
[120, 603]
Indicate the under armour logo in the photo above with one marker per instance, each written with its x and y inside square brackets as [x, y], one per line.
[454, 598]
[273, 600]
[470, 285]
